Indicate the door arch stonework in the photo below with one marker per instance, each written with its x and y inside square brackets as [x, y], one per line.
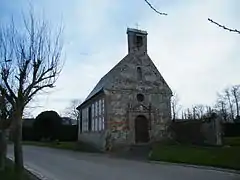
[132, 113]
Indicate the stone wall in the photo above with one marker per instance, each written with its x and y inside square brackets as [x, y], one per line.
[200, 132]
[96, 139]
[122, 110]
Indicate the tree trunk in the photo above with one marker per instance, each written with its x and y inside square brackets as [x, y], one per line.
[235, 95]
[173, 111]
[236, 101]
[17, 139]
[230, 105]
[3, 149]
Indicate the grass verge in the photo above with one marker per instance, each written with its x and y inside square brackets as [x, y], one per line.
[75, 146]
[9, 174]
[232, 141]
[224, 157]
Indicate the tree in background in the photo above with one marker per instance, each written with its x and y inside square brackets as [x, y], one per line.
[199, 111]
[221, 106]
[71, 111]
[226, 106]
[235, 90]
[227, 103]
[175, 106]
[29, 63]
[229, 100]
[47, 125]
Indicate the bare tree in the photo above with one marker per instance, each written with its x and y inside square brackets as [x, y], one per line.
[235, 90]
[199, 108]
[71, 111]
[189, 114]
[194, 112]
[186, 114]
[221, 106]
[229, 100]
[30, 62]
[175, 105]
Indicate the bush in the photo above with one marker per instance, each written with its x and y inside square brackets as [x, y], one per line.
[231, 129]
[47, 125]
[65, 133]
[28, 134]
[68, 133]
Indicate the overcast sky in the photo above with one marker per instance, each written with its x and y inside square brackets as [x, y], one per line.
[195, 57]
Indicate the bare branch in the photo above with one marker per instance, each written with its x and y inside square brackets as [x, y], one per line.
[71, 111]
[37, 89]
[224, 27]
[154, 9]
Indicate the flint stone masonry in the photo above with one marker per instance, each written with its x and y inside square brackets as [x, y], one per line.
[134, 74]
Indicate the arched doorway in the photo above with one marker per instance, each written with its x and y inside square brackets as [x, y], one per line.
[141, 129]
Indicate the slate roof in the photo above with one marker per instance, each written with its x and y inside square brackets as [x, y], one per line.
[104, 81]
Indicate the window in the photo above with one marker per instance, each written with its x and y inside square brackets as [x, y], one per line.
[96, 109]
[99, 123]
[139, 41]
[89, 118]
[92, 125]
[93, 110]
[85, 120]
[100, 106]
[103, 123]
[81, 129]
[139, 74]
[103, 106]
[96, 124]
[140, 97]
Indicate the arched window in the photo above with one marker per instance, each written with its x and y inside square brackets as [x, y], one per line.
[139, 73]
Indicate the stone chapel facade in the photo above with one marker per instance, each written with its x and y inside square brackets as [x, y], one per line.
[130, 104]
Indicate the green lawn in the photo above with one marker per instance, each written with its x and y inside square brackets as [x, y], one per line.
[225, 157]
[60, 145]
[9, 174]
[75, 146]
[232, 141]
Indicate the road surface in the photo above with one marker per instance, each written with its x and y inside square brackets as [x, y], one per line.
[55, 164]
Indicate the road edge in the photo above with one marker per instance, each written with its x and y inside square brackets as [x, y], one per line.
[33, 175]
[197, 166]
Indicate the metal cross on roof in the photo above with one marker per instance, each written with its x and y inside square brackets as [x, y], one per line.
[137, 25]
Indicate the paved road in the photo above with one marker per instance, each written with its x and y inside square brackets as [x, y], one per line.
[68, 165]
